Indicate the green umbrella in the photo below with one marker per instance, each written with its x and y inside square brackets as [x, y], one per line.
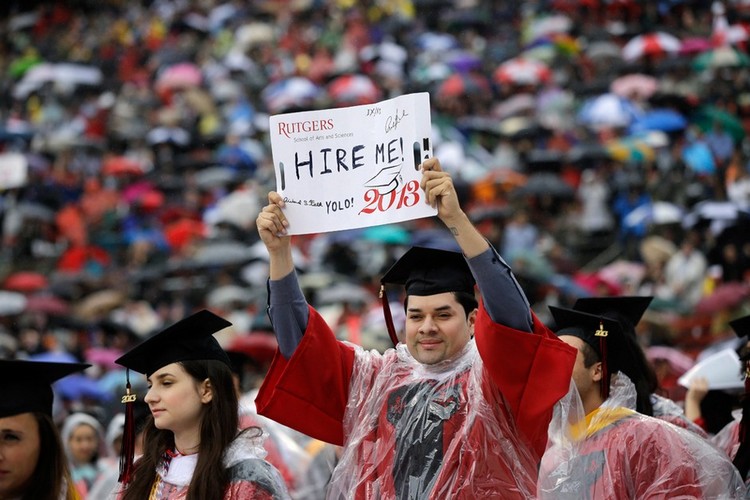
[20, 66]
[721, 57]
[706, 116]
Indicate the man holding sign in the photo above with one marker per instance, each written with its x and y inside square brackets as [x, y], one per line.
[459, 409]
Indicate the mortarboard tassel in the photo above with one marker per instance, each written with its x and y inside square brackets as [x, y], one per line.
[128, 435]
[742, 459]
[388, 316]
[602, 334]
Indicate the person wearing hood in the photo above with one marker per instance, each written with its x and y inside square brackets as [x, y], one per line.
[82, 436]
[601, 447]
[459, 408]
[32, 458]
[193, 447]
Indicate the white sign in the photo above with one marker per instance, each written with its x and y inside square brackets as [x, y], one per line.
[14, 170]
[722, 370]
[352, 167]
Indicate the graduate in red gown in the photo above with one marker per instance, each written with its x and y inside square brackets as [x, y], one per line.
[458, 409]
[600, 447]
[628, 311]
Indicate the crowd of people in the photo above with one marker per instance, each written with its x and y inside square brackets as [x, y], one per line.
[599, 148]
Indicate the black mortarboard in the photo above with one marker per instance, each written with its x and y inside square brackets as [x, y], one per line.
[189, 339]
[628, 310]
[426, 271]
[616, 348]
[741, 326]
[27, 385]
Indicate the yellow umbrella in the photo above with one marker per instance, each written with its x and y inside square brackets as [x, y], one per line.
[630, 150]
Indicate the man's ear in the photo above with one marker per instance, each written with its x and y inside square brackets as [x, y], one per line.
[206, 391]
[472, 319]
[596, 372]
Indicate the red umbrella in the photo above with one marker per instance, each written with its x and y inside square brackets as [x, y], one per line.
[122, 166]
[179, 76]
[77, 257]
[183, 231]
[464, 84]
[651, 44]
[48, 304]
[522, 71]
[26, 281]
[635, 85]
[348, 90]
[259, 346]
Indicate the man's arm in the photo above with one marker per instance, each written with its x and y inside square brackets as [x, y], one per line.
[503, 297]
[286, 305]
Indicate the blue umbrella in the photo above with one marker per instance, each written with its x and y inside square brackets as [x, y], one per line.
[78, 386]
[608, 110]
[664, 120]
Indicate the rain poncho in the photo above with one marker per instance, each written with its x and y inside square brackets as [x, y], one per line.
[617, 453]
[469, 427]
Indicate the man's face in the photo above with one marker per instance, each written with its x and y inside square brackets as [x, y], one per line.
[437, 327]
[586, 379]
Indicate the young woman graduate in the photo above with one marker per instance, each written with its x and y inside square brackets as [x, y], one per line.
[193, 448]
[27, 428]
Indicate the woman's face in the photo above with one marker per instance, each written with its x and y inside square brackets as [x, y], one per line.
[83, 443]
[19, 453]
[176, 399]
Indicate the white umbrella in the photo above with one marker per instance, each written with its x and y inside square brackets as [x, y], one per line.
[11, 302]
[658, 212]
[67, 75]
[649, 44]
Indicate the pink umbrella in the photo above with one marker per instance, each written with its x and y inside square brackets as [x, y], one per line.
[103, 356]
[725, 297]
[635, 85]
[179, 76]
[679, 361]
[695, 45]
[354, 89]
[650, 44]
[522, 71]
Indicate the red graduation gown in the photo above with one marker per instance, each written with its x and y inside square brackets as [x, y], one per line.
[474, 427]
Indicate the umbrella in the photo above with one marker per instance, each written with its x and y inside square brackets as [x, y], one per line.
[221, 253]
[656, 249]
[603, 50]
[517, 104]
[650, 44]
[706, 116]
[11, 302]
[724, 297]
[259, 346]
[179, 76]
[630, 150]
[239, 208]
[121, 166]
[623, 272]
[522, 71]
[344, 292]
[181, 232]
[353, 89]
[658, 212]
[98, 304]
[464, 84]
[214, 177]
[48, 304]
[546, 184]
[103, 356]
[293, 92]
[711, 210]
[547, 25]
[227, 295]
[664, 120]
[608, 110]
[679, 361]
[66, 75]
[26, 281]
[30, 210]
[78, 386]
[635, 86]
[389, 234]
[168, 135]
[694, 45]
[721, 57]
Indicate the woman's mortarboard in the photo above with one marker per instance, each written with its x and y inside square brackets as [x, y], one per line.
[606, 337]
[27, 385]
[426, 271]
[189, 339]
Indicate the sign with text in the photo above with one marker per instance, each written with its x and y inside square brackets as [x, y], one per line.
[352, 167]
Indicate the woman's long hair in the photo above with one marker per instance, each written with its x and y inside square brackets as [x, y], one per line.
[51, 477]
[219, 424]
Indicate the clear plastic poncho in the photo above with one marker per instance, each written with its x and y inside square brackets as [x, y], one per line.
[617, 453]
[429, 431]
